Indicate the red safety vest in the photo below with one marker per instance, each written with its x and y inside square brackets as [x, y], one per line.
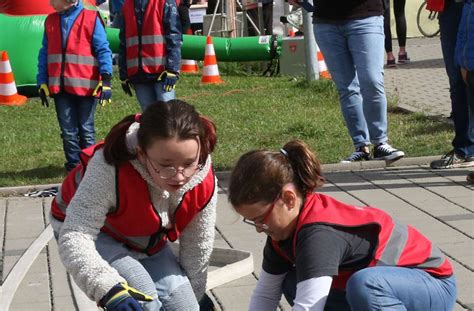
[73, 68]
[135, 222]
[145, 45]
[398, 244]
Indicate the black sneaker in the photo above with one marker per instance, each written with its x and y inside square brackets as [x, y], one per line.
[386, 152]
[360, 154]
[452, 160]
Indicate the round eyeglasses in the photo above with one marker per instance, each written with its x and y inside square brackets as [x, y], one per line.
[168, 172]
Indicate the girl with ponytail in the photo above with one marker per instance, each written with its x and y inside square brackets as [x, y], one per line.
[323, 254]
[149, 183]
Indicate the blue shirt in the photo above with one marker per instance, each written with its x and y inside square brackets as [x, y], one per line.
[100, 45]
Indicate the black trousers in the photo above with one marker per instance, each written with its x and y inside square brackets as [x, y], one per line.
[267, 11]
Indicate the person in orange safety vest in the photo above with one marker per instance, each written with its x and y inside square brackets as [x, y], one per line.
[323, 254]
[149, 183]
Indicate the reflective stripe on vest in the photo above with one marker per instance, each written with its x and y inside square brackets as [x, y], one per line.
[145, 47]
[398, 244]
[135, 221]
[72, 68]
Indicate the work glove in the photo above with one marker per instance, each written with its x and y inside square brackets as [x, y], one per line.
[43, 92]
[169, 79]
[127, 87]
[123, 298]
[103, 90]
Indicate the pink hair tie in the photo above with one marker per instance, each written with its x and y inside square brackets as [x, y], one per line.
[138, 117]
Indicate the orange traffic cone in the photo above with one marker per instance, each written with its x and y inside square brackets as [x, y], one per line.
[189, 65]
[323, 69]
[8, 92]
[210, 72]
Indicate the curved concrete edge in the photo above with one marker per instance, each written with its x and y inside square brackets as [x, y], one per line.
[224, 175]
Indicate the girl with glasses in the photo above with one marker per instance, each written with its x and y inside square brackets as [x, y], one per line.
[323, 254]
[150, 182]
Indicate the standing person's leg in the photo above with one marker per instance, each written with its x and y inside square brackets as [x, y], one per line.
[334, 46]
[268, 18]
[173, 286]
[162, 95]
[401, 26]
[253, 14]
[449, 22]
[66, 112]
[388, 36]
[398, 288]
[150, 92]
[86, 107]
[365, 39]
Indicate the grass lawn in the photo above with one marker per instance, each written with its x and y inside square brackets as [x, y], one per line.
[250, 112]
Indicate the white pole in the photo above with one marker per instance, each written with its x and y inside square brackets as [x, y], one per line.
[312, 71]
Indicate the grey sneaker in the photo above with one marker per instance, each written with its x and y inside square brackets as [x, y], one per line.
[386, 152]
[360, 154]
[452, 160]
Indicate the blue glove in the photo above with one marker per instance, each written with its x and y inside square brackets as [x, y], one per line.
[103, 90]
[123, 298]
[169, 79]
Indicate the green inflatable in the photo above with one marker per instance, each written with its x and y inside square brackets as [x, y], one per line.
[21, 37]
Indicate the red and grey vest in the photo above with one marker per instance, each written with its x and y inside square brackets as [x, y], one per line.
[398, 244]
[145, 43]
[135, 222]
[73, 68]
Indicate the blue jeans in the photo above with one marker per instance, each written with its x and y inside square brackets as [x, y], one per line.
[354, 55]
[148, 93]
[76, 121]
[397, 288]
[463, 141]
[388, 288]
[159, 275]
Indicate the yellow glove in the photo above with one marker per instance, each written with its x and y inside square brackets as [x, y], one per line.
[123, 297]
[169, 80]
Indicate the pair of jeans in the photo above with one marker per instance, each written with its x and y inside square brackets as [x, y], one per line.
[388, 288]
[150, 92]
[76, 121]
[354, 54]
[449, 19]
[159, 275]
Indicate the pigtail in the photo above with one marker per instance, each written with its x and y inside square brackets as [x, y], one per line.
[115, 147]
[208, 137]
[306, 166]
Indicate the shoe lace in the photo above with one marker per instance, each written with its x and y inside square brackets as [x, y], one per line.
[356, 155]
[386, 148]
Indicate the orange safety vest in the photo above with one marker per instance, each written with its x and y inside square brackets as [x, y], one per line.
[398, 244]
[145, 45]
[135, 222]
[73, 68]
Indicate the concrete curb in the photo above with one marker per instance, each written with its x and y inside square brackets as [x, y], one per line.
[224, 175]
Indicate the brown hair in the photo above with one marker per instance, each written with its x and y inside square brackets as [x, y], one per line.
[174, 118]
[260, 175]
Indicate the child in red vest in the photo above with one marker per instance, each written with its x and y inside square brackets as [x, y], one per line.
[322, 253]
[75, 69]
[150, 49]
[150, 183]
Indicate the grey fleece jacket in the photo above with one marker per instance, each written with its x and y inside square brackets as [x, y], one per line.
[86, 214]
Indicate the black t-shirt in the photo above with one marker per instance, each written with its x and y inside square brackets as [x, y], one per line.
[323, 250]
[334, 11]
